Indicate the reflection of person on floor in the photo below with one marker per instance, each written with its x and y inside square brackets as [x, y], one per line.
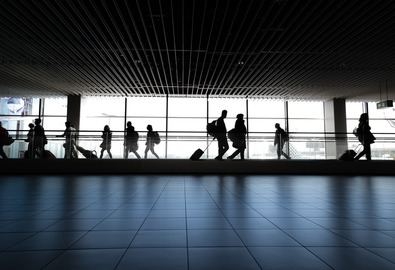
[3, 139]
[40, 140]
[221, 135]
[150, 142]
[240, 136]
[279, 139]
[69, 145]
[106, 144]
[30, 140]
[131, 141]
[365, 137]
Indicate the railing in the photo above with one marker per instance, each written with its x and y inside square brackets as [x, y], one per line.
[181, 145]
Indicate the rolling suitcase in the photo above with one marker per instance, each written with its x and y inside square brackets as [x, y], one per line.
[350, 154]
[199, 152]
[48, 155]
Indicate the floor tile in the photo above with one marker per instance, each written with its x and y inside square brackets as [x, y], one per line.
[73, 225]
[388, 253]
[154, 258]
[367, 238]
[213, 238]
[266, 238]
[48, 240]
[164, 224]
[28, 260]
[251, 223]
[294, 223]
[342, 258]
[320, 238]
[104, 239]
[98, 259]
[164, 238]
[285, 258]
[229, 258]
[208, 223]
[131, 224]
[9, 239]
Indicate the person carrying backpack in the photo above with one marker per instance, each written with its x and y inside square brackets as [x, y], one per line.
[106, 144]
[365, 137]
[279, 139]
[152, 139]
[131, 140]
[238, 137]
[221, 135]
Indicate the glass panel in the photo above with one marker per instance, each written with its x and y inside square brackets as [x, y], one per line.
[305, 109]
[354, 110]
[96, 112]
[182, 106]
[233, 106]
[264, 108]
[146, 106]
[55, 106]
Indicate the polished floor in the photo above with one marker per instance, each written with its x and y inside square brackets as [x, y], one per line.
[197, 222]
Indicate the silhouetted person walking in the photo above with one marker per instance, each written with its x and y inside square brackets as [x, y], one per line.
[365, 137]
[30, 140]
[40, 140]
[3, 141]
[150, 144]
[239, 142]
[279, 139]
[131, 141]
[106, 144]
[221, 136]
[70, 142]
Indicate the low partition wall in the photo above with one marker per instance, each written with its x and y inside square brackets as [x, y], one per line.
[177, 166]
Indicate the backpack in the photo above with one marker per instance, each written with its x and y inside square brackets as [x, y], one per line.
[156, 137]
[232, 135]
[212, 129]
[284, 136]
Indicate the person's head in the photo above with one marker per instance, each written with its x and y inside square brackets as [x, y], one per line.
[31, 125]
[277, 125]
[149, 127]
[224, 113]
[67, 124]
[106, 128]
[129, 124]
[364, 117]
[240, 116]
[37, 121]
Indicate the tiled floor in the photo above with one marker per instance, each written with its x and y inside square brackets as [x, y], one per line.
[197, 222]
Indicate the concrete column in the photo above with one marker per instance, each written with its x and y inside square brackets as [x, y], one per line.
[335, 121]
[74, 110]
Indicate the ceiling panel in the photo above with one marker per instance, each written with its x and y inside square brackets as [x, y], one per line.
[310, 49]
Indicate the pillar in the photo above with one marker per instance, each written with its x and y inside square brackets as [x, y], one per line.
[74, 110]
[336, 126]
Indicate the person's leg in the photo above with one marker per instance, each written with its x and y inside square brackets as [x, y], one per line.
[278, 151]
[363, 152]
[101, 153]
[235, 153]
[242, 153]
[109, 153]
[136, 154]
[146, 151]
[283, 153]
[368, 152]
[153, 152]
[2, 153]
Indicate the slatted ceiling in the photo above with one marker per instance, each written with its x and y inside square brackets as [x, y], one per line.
[310, 49]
